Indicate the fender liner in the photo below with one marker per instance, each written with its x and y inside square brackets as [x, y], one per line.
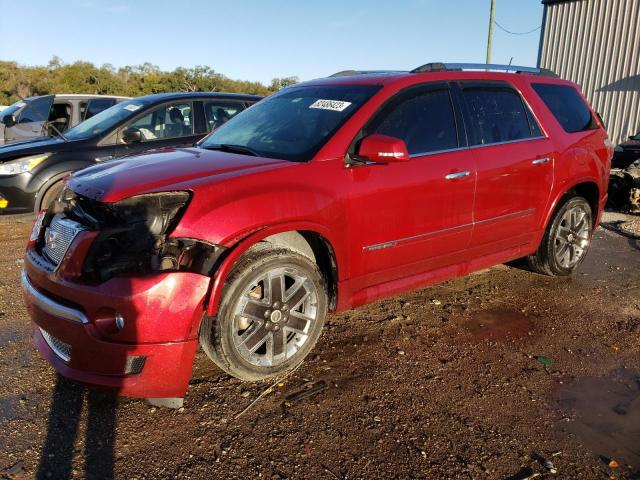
[236, 251]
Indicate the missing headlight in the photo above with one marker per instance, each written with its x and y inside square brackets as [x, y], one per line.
[134, 236]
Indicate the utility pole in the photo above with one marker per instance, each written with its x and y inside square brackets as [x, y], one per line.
[490, 37]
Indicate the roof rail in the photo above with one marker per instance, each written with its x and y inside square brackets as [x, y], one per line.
[443, 67]
[348, 73]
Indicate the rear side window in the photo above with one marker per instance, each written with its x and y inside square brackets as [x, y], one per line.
[217, 112]
[497, 115]
[423, 119]
[567, 106]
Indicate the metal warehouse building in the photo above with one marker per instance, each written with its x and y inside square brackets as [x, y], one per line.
[596, 43]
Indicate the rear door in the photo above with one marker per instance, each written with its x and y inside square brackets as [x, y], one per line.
[514, 163]
[218, 111]
[31, 120]
[414, 216]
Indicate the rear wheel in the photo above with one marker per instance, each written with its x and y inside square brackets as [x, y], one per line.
[566, 240]
[271, 315]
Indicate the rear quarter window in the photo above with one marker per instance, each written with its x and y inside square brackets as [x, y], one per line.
[567, 105]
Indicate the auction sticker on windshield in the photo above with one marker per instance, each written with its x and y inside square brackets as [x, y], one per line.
[335, 105]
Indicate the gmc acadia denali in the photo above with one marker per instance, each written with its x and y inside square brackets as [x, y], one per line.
[325, 196]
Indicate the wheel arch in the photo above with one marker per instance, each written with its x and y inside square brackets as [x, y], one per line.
[308, 239]
[42, 191]
[587, 188]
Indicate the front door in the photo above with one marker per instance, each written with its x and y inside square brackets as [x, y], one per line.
[168, 125]
[411, 217]
[30, 120]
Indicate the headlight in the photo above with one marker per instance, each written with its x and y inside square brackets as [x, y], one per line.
[25, 164]
[618, 149]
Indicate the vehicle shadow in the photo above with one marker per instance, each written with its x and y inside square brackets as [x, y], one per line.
[57, 458]
[64, 454]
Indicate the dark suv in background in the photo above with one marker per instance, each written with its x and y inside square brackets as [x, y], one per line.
[31, 173]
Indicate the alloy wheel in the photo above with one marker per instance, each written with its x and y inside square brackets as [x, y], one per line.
[572, 237]
[274, 316]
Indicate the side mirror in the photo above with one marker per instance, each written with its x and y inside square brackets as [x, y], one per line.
[383, 149]
[131, 135]
[9, 120]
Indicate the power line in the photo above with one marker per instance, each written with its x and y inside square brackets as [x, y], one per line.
[516, 33]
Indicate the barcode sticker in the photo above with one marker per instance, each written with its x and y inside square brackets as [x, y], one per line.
[335, 105]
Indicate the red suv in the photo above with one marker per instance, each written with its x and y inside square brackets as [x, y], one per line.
[325, 196]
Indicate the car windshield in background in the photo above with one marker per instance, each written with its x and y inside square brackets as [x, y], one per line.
[292, 124]
[636, 136]
[104, 120]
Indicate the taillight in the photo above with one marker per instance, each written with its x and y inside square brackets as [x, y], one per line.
[609, 146]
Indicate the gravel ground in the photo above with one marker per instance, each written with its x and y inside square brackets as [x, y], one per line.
[486, 376]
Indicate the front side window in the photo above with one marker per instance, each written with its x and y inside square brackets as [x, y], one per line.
[294, 123]
[218, 112]
[170, 120]
[423, 119]
[567, 106]
[497, 115]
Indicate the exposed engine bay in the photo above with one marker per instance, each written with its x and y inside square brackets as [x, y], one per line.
[133, 235]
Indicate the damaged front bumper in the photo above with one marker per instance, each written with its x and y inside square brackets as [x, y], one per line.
[137, 336]
[135, 332]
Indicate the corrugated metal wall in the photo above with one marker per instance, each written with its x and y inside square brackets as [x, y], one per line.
[596, 43]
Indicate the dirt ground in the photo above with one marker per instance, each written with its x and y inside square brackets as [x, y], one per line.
[487, 376]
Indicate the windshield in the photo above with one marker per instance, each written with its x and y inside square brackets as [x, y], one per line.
[636, 136]
[105, 120]
[294, 123]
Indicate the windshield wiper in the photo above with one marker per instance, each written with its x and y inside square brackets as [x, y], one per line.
[227, 147]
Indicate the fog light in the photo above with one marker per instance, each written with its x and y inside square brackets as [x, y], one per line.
[119, 321]
[134, 365]
[4, 203]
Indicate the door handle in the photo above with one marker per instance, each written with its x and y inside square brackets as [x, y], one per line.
[453, 176]
[540, 161]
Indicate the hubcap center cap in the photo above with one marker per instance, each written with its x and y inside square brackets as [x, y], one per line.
[276, 316]
[570, 237]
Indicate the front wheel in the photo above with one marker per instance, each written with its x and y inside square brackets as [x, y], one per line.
[566, 241]
[271, 315]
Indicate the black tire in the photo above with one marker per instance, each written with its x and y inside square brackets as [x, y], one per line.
[218, 335]
[545, 260]
[50, 195]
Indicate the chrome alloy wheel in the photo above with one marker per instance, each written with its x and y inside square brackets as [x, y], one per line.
[572, 237]
[274, 316]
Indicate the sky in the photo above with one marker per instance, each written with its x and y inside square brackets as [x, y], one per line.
[262, 39]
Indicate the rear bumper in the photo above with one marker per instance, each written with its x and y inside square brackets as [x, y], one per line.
[151, 356]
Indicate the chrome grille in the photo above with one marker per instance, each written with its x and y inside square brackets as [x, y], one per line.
[61, 349]
[58, 237]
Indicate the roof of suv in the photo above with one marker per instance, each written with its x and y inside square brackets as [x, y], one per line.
[437, 71]
[178, 95]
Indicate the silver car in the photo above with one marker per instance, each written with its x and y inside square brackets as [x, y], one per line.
[50, 115]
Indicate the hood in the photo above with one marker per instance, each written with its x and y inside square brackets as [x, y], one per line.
[162, 170]
[34, 146]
